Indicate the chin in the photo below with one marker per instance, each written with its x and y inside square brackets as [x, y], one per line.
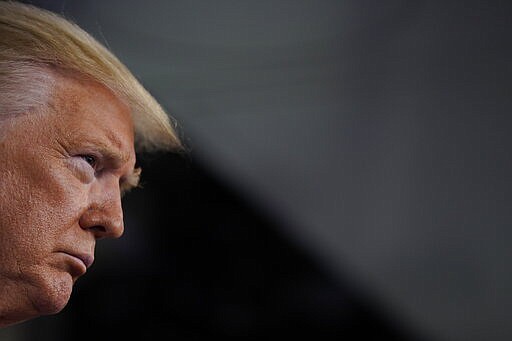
[52, 295]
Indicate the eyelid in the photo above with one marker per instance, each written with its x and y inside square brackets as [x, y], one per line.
[94, 159]
[83, 170]
[98, 160]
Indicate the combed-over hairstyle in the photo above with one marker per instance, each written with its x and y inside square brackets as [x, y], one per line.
[34, 39]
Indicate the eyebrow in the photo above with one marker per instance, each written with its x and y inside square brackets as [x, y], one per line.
[117, 159]
[127, 182]
[131, 181]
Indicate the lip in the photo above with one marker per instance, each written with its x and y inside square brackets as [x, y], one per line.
[85, 258]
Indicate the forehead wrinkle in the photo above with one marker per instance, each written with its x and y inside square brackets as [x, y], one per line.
[115, 141]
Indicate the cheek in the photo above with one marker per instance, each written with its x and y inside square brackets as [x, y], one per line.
[59, 185]
[20, 236]
[36, 209]
[60, 200]
[35, 214]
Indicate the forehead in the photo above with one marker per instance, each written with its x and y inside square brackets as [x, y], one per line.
[86, 112]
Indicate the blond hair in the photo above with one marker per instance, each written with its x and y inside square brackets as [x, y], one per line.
[33, 39]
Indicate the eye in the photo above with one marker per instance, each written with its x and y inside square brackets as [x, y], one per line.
[91, 160]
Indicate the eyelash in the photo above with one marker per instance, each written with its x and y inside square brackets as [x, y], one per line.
[91, 160]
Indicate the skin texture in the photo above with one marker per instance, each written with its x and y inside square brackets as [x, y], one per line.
[61, 176]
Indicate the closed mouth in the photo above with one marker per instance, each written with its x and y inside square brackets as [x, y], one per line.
[84, 258]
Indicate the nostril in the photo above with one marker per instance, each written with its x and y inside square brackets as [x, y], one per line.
[98, 228]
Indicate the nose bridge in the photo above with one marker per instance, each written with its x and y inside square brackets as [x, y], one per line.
[104, 216]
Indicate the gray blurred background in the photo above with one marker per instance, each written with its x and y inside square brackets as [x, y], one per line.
[373, 136]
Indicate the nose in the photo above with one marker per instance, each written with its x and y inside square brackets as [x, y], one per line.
[104, 214]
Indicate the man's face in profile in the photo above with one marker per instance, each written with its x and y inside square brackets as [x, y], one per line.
[62, 174]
